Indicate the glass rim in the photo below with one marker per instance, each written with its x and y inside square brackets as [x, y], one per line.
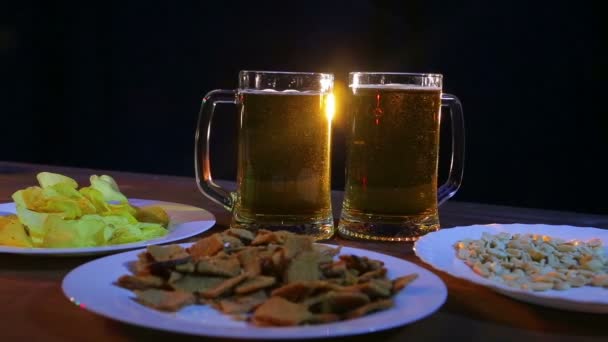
[271, 72]
[423, 74]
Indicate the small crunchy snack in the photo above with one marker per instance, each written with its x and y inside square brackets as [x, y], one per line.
[536, 262]
[164, 300]
[268, 279]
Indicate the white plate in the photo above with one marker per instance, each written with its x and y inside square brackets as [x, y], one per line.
[437, 250]
[91, 286]
[184, 221]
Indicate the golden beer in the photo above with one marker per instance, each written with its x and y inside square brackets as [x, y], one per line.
[283, 172]
[391, 162]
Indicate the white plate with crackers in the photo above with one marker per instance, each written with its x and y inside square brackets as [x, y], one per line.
[439, 249]
[92, 287]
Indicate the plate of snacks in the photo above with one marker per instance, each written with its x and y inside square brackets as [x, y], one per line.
[558, 266]
[268, 285]
[59, 218]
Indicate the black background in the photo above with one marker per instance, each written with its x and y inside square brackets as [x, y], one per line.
[117, 85]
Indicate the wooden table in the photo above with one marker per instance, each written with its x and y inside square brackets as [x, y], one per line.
[32, 306]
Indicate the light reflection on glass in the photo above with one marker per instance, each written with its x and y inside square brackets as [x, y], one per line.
[330, 106]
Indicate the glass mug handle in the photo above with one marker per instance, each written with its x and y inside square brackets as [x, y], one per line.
[202, 165]
[451, 185]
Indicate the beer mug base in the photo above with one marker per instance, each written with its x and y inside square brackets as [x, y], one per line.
[320, 229]
[386, 228]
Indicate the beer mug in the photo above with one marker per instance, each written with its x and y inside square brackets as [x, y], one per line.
[392, 141]
[284, 145]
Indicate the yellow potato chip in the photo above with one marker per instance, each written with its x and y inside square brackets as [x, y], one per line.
[108, 187]
[87, 232]
[152, 214]
[47, 179]
[12, 232]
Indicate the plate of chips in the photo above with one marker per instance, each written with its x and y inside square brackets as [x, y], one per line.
[290, 288]
[60, 217]
[184, 221]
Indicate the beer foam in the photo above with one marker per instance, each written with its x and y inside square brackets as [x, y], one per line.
[280, 92]
[400, 86]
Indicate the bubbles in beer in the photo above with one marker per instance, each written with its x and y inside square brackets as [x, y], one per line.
[284, 164]
[281, 92]
[394, 148]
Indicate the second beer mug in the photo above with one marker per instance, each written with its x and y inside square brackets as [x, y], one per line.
[392, 156]
[283, 176]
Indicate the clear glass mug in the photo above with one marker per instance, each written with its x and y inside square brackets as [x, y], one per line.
[391, 191]
[284, 145]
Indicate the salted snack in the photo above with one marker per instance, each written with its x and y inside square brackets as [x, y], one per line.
[536, 262]
[57, 214]
[268, 279]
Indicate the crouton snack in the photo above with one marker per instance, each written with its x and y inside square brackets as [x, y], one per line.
[57, 214]
[268, 279]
